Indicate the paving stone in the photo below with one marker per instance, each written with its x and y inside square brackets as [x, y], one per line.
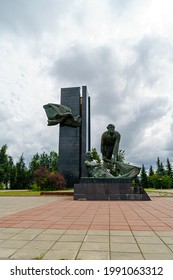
[74, 237]
[91, 255]
[7, 252]
[38, 244]
[126, 256]
[12, 244]
[29, 254]
[121, 232]
[154, 249]
[61, 254]
[96, 238]
[157, 256]
[122, 239]
[144, 233]
[48, 237]
[123, 248]
[66, 246]
[99, 246]
[98, 232]
[149, 239]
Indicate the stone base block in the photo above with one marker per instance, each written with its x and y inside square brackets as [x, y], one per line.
[108, 189]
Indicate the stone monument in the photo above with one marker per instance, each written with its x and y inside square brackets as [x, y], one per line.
[74, 136]
[112, 179]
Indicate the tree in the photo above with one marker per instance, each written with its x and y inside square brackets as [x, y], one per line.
[151, 171]
[47, 181]
[144, 178]
[169, 170]
[3, 164]
[160, 168]
[160, 182]
[21, 181]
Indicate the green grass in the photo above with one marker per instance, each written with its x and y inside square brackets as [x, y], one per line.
[19, 193]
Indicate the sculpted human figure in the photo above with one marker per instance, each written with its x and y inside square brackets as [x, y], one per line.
[95, 169]
[110, 154]
[110, 144]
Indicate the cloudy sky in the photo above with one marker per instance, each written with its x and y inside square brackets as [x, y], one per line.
[121, 49]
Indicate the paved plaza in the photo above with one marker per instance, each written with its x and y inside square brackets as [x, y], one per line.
[53, 227]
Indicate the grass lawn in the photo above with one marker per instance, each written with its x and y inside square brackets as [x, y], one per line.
[19, 193]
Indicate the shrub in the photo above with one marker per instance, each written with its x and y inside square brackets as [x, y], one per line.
[160, 182]
[2, 186]
[48, 181]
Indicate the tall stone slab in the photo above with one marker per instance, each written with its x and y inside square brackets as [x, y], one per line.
[85, 125]
[73, 141]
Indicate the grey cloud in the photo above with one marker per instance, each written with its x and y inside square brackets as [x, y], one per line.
[25, 17]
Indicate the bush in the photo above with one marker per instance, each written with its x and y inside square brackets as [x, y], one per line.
[2, 186]
[48, 181]
[160, 182]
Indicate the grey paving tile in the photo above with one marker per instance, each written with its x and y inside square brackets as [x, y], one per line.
[149, 239]
[143, 233]
[167, 239]
[93, 246]
[60, 255]
[39, 244]
[6, 235]
[24, 236]
[165, 233]
[12, 244]
[121, 232]
[29, 254]
[7, 252]
[12, 230]
[157, 256]
[96, 238]
[66, 246]
[54, 231]
[126, 256]
[123, 248]
[154, 249]
[68, 237]
[122, 239]
[48, 237]
[76, 232]
[92, 255]
[98, 232]
[170, 247]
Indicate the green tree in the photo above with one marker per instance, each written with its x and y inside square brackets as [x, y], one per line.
[160, 168]
[144, 177]
[151, 171]
[3, 164]
[169, 170]
[160, 182]
[21, 180]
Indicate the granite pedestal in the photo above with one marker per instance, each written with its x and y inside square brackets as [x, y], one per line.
[108, 189]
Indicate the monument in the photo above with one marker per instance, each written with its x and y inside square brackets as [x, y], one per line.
[110, 180]
[73, 115]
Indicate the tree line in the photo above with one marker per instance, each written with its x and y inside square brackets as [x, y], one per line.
[161, 178]
[42, 173]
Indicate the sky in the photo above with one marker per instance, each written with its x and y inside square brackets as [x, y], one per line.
[122, 50]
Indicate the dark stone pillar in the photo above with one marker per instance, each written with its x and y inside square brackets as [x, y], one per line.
[84, 130]
[69, 139]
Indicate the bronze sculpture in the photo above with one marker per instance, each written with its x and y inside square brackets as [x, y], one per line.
[61, 114]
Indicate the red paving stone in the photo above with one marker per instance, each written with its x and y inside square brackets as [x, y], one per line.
[156, 215]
